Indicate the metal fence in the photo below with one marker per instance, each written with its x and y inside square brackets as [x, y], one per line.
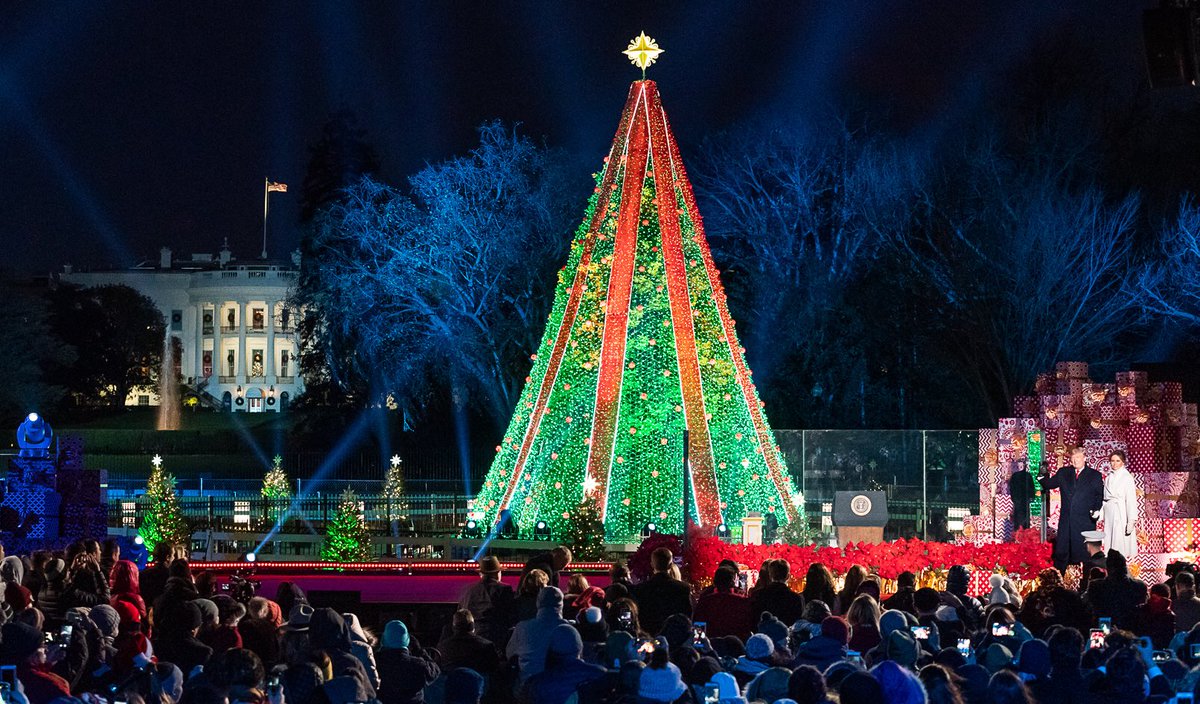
[930, 478]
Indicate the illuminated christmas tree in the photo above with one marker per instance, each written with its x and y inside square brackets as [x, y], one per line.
[347, 538]
[276, 489]
[639, 346]
[393, 491]
[163, 521]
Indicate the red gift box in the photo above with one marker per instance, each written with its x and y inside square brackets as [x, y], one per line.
[1168, 495]
[1173, 414]
[1181, 534]
[1044, 384]
[1172, 392]
[1097, 453]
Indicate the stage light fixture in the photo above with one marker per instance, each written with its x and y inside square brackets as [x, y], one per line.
[723, 531]
[251, 557]
[649, 530]
[509, 528]
[541, 531]
[137, 540]
[471, 530]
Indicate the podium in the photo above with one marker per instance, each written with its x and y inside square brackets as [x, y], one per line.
[860, 516]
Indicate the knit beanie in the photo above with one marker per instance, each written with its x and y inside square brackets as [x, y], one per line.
[550, 598]
[836, 628]
[463, 686]
[892, 620]
[127, 613]
[1034, 658]
[677, 629]
[838, 671]
[975, 682]
[662, 684]
[20, 640]
[902, 648]
[900, 683]
[565, 641]
[759, 647]
[592, 614]
[106, 619]
[773, 628]
[946, 614]
[997, 657]
[395, 635]
[18, 597]
[209, 614]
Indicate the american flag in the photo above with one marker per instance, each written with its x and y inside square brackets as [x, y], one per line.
[276, 187]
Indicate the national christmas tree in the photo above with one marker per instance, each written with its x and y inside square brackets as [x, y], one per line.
[639, 347]
[347, 538]
[163, 520]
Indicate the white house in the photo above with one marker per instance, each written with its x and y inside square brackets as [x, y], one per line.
[230, 319]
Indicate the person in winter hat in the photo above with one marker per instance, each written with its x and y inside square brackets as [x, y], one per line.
[727, 689]
[759, 657]
[660, 680]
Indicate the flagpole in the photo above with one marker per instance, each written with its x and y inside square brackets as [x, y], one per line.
[266, 200]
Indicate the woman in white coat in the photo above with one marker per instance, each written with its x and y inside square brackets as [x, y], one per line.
[1120, 508]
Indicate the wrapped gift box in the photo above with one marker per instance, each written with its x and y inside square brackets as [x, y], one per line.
[1044, 384]
[1026, 406]
[1181, 534]
[1099, 394]
[1172, 392]
[1070, 387]
[1143, 436]
[1154, 393]
[1173, 414]
[1151, 568]
[1105, 431]
[1168, 494]
[1190, 414]
[1098, 452]
[1071, 370]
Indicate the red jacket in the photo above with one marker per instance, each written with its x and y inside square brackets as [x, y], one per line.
[41, 686]
[725, 613]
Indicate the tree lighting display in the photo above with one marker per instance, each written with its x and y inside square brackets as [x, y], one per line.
[639, 346]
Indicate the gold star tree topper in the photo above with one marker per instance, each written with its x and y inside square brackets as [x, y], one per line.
[642, 52]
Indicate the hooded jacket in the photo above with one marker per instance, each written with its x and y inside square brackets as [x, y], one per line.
[531, 638]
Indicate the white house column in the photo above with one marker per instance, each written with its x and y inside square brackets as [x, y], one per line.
[199, 349]
[270, 370]
[218, 358]
[242, 359]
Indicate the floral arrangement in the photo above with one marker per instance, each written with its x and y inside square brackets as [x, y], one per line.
[928, 560]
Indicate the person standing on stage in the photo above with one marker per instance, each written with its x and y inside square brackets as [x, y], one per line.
[1120, 510]
[1081, 490]
[1022, 490]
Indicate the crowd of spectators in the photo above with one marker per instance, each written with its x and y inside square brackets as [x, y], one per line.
[85, 625]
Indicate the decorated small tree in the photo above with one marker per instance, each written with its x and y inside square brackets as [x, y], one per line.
[585, 530]
[163, 521]
[347, 538]
[393, 492]
[276, 490]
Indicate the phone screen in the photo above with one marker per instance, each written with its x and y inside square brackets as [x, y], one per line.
[1183, 698]
[698, 630]
[712, 694]
[625, 618]
[920, 632]
[8, 675]
[1161, 655]
[65, 633]
[1196, 651]
[1001, 629]
[1106, 625]
[646, 646]
[854, 656]
[1096, 638]
[964, 647]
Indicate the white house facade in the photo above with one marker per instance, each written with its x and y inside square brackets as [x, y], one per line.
[230, 319]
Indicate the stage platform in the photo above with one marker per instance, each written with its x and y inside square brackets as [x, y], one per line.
[397, 582]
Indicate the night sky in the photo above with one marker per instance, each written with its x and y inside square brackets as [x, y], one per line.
[126, 126]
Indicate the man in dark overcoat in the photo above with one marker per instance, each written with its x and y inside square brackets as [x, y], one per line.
[1081, 489]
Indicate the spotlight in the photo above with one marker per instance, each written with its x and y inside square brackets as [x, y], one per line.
[471, 530]
[541, 531]
[251, 557]
[137, 540]
[509, 528]
[723, 531]
[649, 530]
[33, 417]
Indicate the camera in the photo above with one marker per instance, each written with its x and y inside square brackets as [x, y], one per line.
[241, 587]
